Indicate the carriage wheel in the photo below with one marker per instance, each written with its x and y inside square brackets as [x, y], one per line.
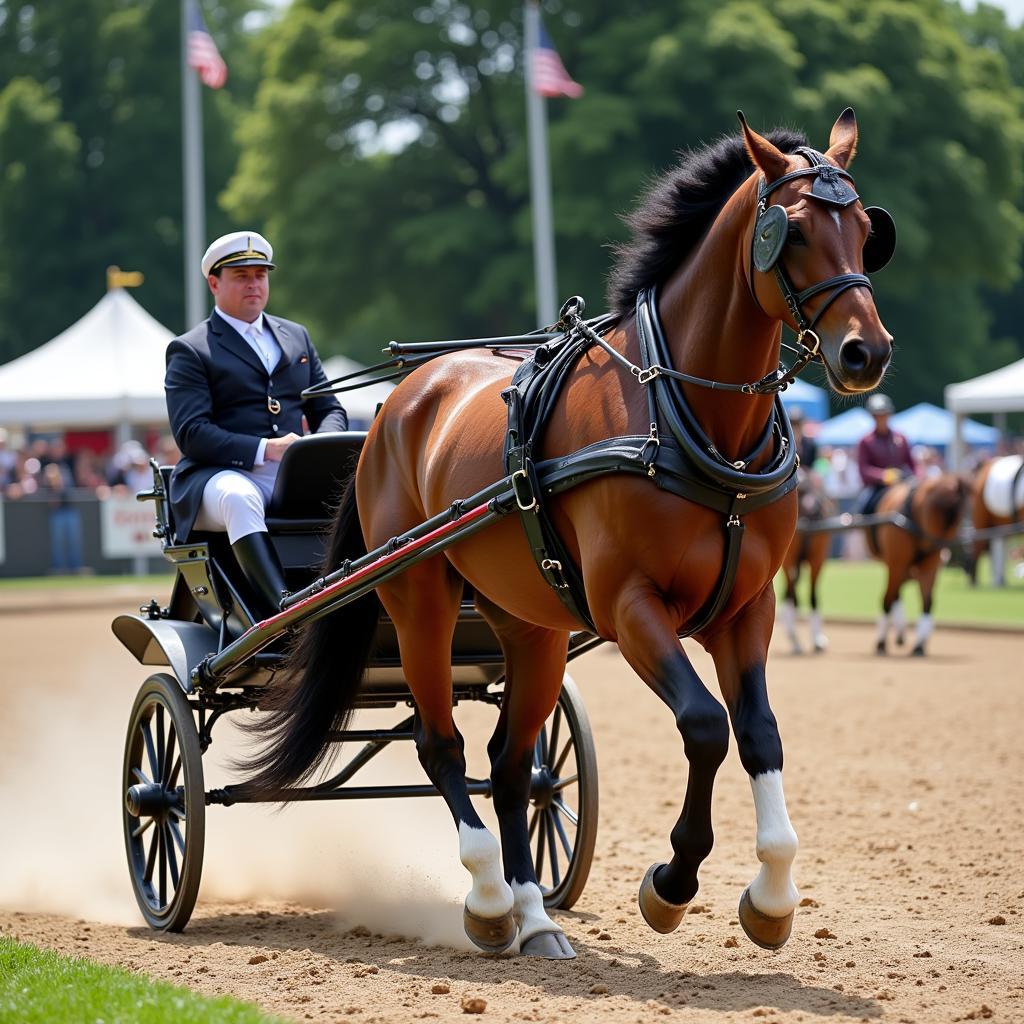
[563, 800]
[164, 804]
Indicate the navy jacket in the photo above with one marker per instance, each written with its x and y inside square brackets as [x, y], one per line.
[217, 400]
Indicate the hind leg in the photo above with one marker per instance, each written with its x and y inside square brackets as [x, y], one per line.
[892, 610]
[818, 637]
[535, 664]
[789, 607]
[926, 580]
[424, 604]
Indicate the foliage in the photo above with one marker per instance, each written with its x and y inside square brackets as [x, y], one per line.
[90, 155]
[39, 987]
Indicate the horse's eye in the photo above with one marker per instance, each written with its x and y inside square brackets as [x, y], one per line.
[795, 236]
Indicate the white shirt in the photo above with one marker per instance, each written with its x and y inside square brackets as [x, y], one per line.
[262, 341]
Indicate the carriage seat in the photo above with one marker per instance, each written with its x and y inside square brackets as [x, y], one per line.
[313, 472]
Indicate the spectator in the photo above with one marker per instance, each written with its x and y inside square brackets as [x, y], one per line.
[65, 521]
[8, 461]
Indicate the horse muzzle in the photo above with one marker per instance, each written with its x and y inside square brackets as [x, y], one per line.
[858, 364]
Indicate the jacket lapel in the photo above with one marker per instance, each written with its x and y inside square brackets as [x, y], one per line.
[230, 339]
[291, 346]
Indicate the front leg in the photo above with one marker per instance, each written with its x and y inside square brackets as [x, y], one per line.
[740, 652]
[647, 638]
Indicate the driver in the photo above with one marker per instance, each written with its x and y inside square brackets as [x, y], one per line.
[233, 387]
[883, 456]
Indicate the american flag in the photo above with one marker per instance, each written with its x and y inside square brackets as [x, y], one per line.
[548, 73]
[203, 54]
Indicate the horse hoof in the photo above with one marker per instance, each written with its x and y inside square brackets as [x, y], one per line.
[661, 915]
[821, 646]
[900, 639]
[491, 934]
[762, 930]
[548, 946]
[880, 649]
[918, 651]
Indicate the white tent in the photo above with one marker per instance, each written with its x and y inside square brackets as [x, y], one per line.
[998, 392]
[105, 370]
[361, 404]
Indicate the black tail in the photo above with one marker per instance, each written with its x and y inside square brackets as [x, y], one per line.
[324, 671]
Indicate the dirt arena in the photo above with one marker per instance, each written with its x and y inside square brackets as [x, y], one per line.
[905, 782]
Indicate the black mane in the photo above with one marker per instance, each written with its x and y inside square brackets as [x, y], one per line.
[677, 210]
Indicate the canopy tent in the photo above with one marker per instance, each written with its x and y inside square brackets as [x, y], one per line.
[361, 404]
[920, 424]
[925, 423]
[998, 392]
[810, 400]
[846, 429]
[105, 370]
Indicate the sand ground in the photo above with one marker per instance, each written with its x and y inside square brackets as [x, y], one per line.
[905, 782]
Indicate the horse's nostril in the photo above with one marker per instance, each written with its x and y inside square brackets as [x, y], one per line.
[854, 355]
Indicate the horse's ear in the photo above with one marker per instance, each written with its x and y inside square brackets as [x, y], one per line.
[771, 161]
[842, 143]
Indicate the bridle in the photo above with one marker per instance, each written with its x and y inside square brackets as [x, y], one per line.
[768, 239]
[831, 186]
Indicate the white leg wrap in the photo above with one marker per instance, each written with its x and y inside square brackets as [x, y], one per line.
[789, 622]
[773, 891]
[818, 632]
[899, 618]
[480, 853]
[883, 628]
[925, 624]
[531, 917]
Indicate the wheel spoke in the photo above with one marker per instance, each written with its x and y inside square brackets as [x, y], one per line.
[172, 782]
[552, 850]
[533, 821]
[151, 856]
[566, 845]
[172, 856]
[539, 862]
[175, 829]
[567, 781]
[168, 761]
[555, 723]
[138, 830]
[147, 735]
[163, 868]
[140, 776]
[567, 811]
[158, 768]
[557, 767]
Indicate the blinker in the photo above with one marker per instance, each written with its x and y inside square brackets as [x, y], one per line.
[881, 242]
[769, 237]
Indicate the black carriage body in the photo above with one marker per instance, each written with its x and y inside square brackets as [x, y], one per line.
[209, 612]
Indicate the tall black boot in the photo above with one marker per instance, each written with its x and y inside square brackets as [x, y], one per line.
[258, 559]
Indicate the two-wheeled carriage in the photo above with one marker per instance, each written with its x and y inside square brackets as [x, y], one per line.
[217, 659]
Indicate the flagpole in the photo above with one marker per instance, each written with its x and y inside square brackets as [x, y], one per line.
[192, 178]
[540, 179]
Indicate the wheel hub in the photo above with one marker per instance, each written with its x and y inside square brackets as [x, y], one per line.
[150, 800]
[542, 787]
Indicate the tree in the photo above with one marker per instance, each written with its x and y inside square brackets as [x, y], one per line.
[108, 71]
[389, 154]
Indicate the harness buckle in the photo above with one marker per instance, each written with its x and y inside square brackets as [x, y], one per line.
[814, 350]
[646, 376]
[523, 492]
[554, 568]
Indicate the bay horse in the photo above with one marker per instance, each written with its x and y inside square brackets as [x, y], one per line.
[997, 499]
[742, 236]
[810, 549]
[932, 510]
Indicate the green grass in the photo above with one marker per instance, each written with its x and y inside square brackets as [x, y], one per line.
[854, 590]
[41, 987]
[64, 582]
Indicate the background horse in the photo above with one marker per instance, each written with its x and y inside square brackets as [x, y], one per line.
[997, 499]
[649, 559]
[934, 507]
[810, 549]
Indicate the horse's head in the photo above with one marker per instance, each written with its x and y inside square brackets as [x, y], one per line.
[812, 242]
[945, 498]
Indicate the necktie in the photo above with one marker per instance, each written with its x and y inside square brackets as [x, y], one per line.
[257, 340]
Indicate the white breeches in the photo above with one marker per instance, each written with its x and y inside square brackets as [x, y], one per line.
[236, 501]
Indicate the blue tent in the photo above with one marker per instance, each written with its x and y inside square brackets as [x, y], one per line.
[811, 401]
[925, 423]
[846, 429]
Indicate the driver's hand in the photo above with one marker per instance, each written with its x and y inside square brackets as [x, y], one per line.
[890, 476]
[277, 446]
